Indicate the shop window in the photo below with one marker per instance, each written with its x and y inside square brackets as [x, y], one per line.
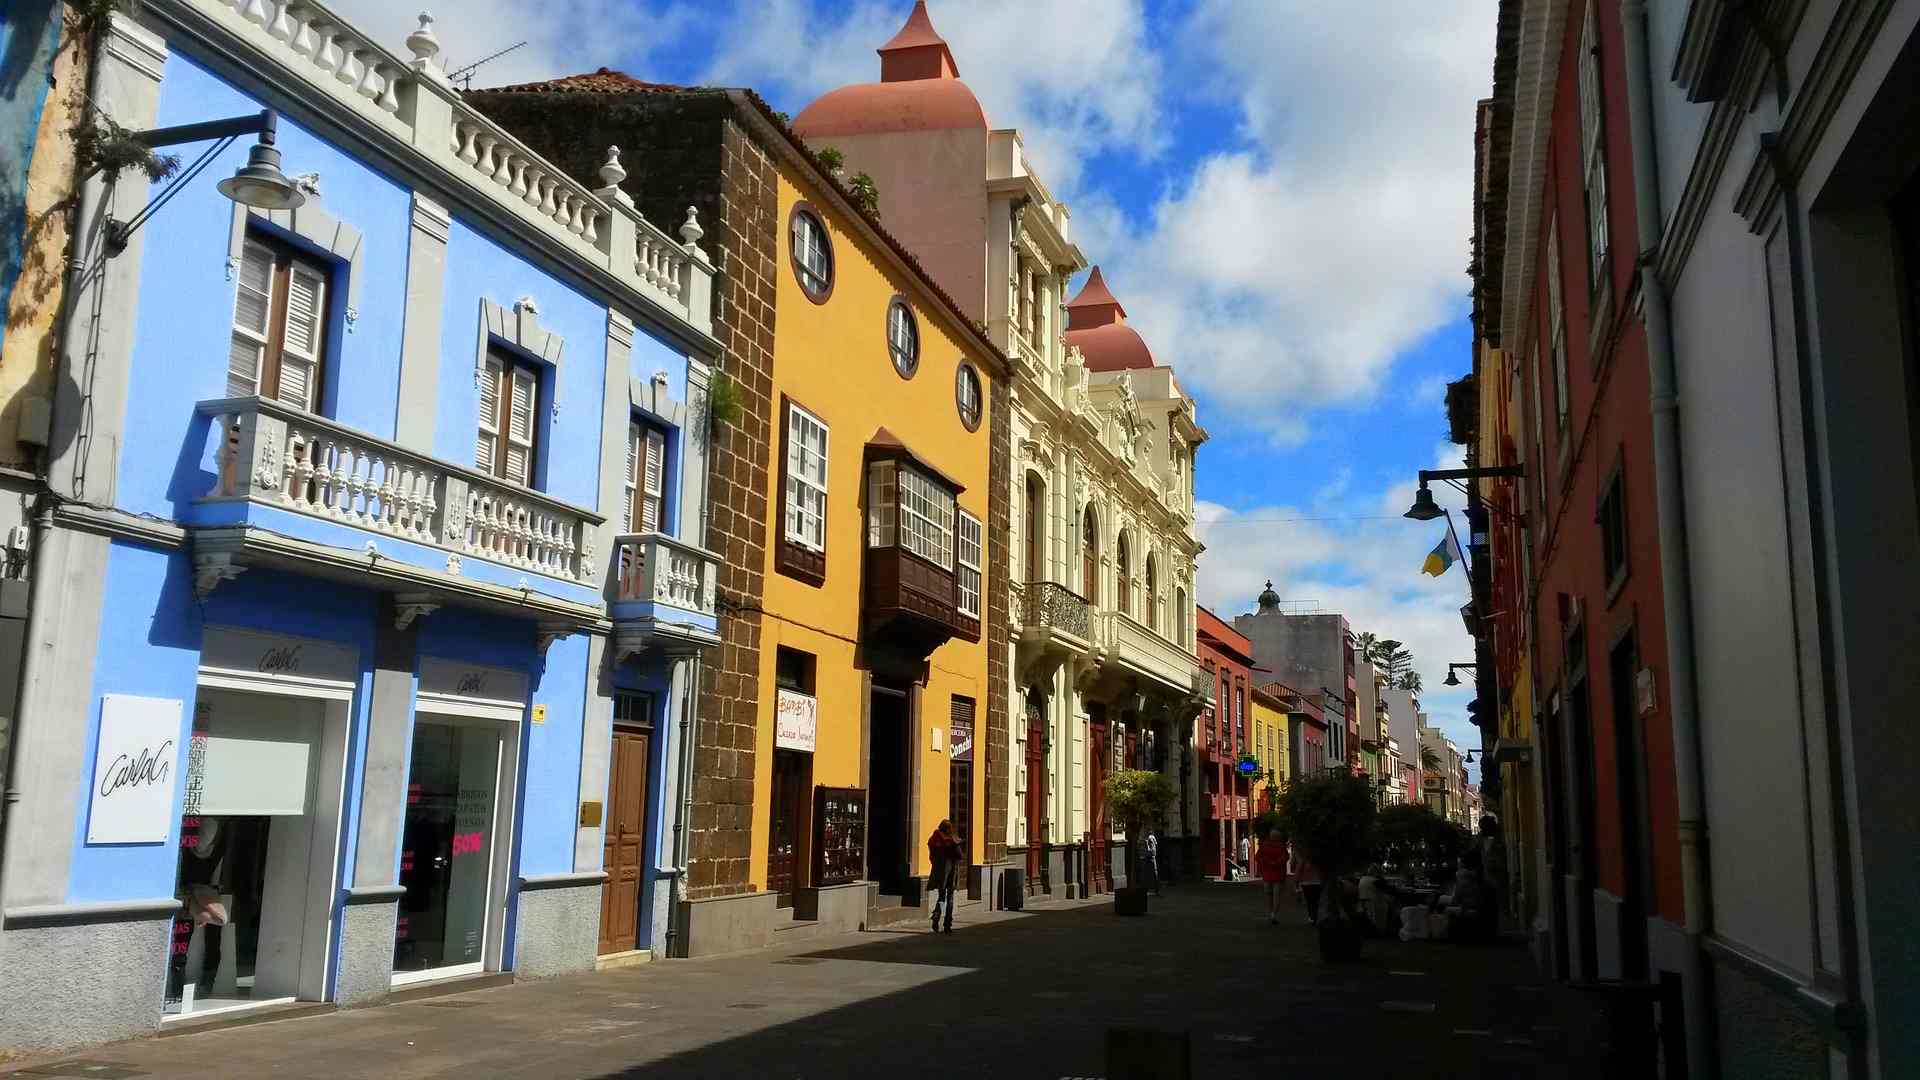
[960, 774]
[446, 856]
[279, 325]
[509, 428]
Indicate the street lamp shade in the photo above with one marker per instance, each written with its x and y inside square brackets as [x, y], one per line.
[1424, 508]
[1452, 679]
[260, 183]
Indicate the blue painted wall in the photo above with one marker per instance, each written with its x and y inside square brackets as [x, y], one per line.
[29, 36]
[568, 444]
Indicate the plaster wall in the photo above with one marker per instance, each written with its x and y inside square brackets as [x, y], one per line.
[938, 204]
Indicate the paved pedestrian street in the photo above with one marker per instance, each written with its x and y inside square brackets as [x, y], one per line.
[1029, 994]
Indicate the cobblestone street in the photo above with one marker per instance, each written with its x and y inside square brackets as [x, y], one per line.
[1008, 995]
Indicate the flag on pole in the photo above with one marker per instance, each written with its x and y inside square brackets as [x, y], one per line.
[1443, 555]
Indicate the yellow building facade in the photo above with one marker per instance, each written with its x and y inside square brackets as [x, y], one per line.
[1269, 733]
[876, 562]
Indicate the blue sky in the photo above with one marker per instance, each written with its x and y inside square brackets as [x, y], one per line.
[1278, 191]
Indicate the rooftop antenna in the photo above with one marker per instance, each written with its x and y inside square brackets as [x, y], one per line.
[464, 76]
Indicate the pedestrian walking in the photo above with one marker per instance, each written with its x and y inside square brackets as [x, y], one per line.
[1302, 870]
[1272, 862]
[1493, 855]
[1151, 865]
[943, 852]
[1246, 854]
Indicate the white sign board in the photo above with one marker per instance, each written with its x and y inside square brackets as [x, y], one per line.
[795, 720]
[133, 771]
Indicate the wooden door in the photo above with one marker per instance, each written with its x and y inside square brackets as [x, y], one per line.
[786, 835]
[1036, 791]
[626, 828]
[1099, 760]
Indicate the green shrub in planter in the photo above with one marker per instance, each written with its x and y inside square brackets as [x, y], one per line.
[1329, 818]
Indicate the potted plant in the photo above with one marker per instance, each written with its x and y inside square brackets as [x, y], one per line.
[1138, 799]
[1329, 818]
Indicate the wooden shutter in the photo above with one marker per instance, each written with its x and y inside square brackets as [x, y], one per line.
[520, 394]
[300, 336]
[653, 477]
[487, 446]
[252, 306]
[634, 453]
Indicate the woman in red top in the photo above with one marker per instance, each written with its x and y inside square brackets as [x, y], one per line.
[943, 852]
[1271, 861]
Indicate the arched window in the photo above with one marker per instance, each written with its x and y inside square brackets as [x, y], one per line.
[1122, 578]
[1153, 596]
[1090, 556]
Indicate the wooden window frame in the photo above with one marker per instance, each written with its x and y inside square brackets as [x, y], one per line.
[635, 486]
[284, 258]
[511, 365]
[904, 354]
[822, 293]
[968, 375]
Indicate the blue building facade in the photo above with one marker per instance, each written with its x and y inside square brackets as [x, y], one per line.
[368, 603]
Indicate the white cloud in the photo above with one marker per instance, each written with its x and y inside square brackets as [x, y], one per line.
[566, 37]
[1075, 78]
[1290, 269]
[1353, 554]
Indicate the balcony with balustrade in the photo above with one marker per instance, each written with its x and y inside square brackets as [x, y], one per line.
[663, 595]
[1133, 649]
[303, 493]
[1056, 625]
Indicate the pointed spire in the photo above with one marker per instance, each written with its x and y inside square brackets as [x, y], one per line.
[1094, 305]
[917, 51]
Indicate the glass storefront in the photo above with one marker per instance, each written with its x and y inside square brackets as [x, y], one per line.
[446, 850]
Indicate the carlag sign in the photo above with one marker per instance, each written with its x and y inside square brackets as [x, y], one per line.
[134, 774]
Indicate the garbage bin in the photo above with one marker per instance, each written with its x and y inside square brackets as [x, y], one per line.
[1013, 889]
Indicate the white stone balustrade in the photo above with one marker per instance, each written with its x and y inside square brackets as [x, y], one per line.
[656, 568]
[291, 460]
[1130, 643]
[412, 101]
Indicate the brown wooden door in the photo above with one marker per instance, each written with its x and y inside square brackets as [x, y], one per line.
[1036, 791]
[786, 835]
[626, 828]
[1099, 759]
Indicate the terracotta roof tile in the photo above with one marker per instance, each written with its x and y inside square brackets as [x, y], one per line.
[603, 81]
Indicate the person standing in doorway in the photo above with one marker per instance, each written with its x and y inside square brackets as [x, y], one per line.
[1246, 854]
[943, 852]
[1150, 864]
[1271, 860]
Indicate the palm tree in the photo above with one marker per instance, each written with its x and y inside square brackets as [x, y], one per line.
[1364, 644]
[1410, 680]
[1429, 760]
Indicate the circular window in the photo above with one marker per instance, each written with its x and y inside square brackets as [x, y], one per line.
[811, 252]
[903, 338]
[966, 394]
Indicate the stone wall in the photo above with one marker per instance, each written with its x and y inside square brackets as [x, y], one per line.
[999, 531]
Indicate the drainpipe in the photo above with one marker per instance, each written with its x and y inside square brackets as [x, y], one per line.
[1676, 586]
[689, 730]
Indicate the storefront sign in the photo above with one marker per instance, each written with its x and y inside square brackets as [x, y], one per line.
[961, 739]
[133, 771]
[256, 655]
[795, 720]
[474, 690]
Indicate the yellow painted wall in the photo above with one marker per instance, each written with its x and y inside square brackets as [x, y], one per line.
[1272, 724]
[832, 359]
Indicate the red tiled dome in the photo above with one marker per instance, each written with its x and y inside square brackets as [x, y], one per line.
[919, 90]
[1097, 325]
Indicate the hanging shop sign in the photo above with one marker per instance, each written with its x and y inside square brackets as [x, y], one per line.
[134, 775]
[796, 719]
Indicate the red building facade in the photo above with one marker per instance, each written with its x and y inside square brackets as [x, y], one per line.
[1565, 309]
[1226, 658]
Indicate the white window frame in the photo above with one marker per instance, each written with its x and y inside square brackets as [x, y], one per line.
[969, 538]
[926, 511]
[804, 515]
[277, 316]
[1557, 326]
[807, 246]
[903, 339]
[502, 374]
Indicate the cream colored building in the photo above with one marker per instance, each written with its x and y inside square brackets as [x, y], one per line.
[1100, 671]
